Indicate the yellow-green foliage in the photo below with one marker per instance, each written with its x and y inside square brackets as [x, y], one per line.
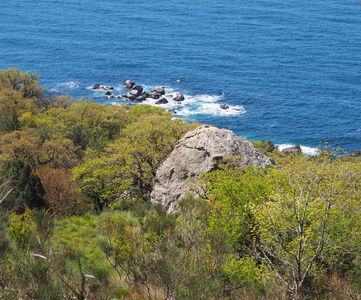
[19, 91]
[231, 193]
[126, 167]
[21, 228]
[312, 218]
[244, 270]
[26, 145]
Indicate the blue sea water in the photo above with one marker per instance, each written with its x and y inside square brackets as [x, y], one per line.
[290, 70]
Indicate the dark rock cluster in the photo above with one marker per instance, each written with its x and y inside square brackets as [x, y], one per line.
[224, 106]
[107, 89]
[136, 93]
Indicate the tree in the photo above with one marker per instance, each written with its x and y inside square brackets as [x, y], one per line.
[27, 189]
[19, 93]
[125, 170]
[61, 192]
[82, 122]
[232, 191]
[311, 221]
[26, 83]
[26, 145]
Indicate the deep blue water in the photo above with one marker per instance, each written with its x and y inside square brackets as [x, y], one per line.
[289, 70]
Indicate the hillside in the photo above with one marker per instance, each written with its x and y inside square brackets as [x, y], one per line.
[77, 220]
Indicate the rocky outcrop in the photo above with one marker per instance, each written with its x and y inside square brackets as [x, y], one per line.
[199, 151]
[293, 150]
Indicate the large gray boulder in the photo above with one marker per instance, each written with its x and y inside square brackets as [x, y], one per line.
[198, 151]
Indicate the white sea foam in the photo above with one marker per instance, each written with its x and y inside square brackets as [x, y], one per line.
[70, 84]
[192, 104]
[306, 150]
[197, 105]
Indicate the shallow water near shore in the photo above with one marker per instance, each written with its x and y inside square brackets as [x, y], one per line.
[289, 71]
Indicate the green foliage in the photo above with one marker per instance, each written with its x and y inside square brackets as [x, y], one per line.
[26, 145]
[231, 193]
[125, 170]
[27, 189]
[312, 219]
[145, 109]
[82, 122]
[244, 270]
[251, 234]
[265, 147]
[21, 228]
[9, 122]
[27, 84]
[175, 255]
[19, 93]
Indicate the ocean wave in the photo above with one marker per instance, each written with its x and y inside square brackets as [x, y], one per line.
[197, 105]
[305, 149]
[191, 105]
[69, 85]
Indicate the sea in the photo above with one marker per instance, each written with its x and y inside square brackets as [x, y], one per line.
[288, 70]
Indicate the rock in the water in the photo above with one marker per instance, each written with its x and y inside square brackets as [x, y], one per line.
[144, 94]
[138, 88]
[130, 97]
[110, 88]
[224, 106]
[141, 97]
[294, 150]
[96, 86]
[154, 95]
[135, 93]
[108, 93]
[161, 101]
[198, 151]
[178, 97]
[159, 90]
[125, 96]
[129, 84]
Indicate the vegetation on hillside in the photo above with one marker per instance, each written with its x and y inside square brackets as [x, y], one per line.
[76, 222]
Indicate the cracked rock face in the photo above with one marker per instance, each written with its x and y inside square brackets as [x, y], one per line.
[198, 151]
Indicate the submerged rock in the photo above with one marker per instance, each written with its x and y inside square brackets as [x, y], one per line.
[199, 151]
